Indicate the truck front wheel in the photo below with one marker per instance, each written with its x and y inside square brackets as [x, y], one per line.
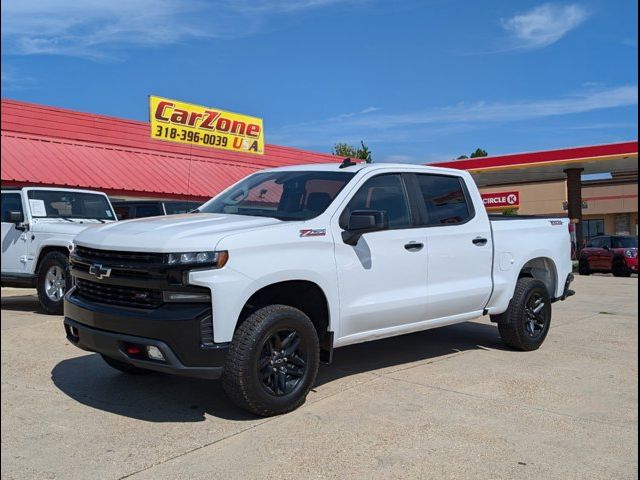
[525, 324]
[272, 361]
[53, 282]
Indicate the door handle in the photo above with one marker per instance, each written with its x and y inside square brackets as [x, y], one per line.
[414, 246]
[479, 241]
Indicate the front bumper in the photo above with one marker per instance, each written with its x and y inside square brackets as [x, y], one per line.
[175, 329]
[632, 264]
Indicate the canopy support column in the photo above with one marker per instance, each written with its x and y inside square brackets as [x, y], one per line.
[574, 201]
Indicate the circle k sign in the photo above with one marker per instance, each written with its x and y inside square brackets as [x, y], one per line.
[501, 199]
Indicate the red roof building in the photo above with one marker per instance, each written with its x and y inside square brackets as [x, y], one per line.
[50, 146]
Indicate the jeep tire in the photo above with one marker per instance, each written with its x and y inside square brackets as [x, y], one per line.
[54, 280]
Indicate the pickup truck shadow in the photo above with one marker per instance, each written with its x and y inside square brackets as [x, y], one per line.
[406, 349]
[22, 303]
[166, 398]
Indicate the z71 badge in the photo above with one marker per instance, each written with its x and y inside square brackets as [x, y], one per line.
[313, 232]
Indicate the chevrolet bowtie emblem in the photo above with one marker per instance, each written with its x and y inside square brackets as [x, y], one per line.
[99, 271]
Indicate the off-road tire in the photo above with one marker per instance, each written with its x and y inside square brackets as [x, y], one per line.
[52, 259]
[125, 367]
[241, 379]
[512, 323]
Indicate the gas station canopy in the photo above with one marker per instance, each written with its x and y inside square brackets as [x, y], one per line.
[549, 165]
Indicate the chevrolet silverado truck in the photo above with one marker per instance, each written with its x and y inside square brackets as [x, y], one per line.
[270, 276]
[38, 227]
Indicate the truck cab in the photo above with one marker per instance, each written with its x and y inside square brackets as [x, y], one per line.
[38, 228]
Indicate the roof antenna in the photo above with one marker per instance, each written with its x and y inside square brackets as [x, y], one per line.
[347, 163]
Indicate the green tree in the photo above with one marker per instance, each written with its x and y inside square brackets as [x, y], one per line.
[479, 153]
[349, 151]
[344, 150]
[510, 212]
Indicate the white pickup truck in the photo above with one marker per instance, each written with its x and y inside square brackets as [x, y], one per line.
[38, 227]
[275, 272]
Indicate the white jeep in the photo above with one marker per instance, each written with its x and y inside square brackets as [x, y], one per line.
[38, 228]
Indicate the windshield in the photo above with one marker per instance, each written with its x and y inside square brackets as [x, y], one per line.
[68, 205]
[624, 242]
[283, 195]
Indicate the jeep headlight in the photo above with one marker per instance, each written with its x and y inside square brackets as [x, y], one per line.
[631, 253]
[214, 259]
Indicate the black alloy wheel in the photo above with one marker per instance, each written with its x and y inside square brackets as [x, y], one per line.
[526, 322]
[536, 314]
[282, 362]
[272, 360]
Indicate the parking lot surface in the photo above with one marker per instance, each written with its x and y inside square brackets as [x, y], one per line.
[445, 403]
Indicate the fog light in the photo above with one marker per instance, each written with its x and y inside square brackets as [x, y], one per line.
[133, 350]
[154, 353]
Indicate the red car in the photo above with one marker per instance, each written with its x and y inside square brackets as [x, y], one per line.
[610, 253]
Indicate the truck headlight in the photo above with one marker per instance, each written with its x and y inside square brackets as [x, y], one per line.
[631, 253]
[215, 259]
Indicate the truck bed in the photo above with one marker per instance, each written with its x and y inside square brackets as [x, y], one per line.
[534, 242]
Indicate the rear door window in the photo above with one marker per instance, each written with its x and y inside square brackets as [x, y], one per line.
[445, 199]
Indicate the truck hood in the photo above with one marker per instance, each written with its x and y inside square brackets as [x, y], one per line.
[172, 233]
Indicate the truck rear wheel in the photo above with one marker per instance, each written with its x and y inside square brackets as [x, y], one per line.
[272, 361]
[525, 324]
[54, 280]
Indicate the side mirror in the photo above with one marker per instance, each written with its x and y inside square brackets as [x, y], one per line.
[17, 218]
[364, 221]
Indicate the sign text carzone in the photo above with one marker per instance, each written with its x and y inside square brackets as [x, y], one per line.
[208, 127]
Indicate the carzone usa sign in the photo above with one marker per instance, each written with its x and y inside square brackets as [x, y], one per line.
[182, 122]
[501, 199]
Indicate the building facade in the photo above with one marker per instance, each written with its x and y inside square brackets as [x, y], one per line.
[609, 207]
